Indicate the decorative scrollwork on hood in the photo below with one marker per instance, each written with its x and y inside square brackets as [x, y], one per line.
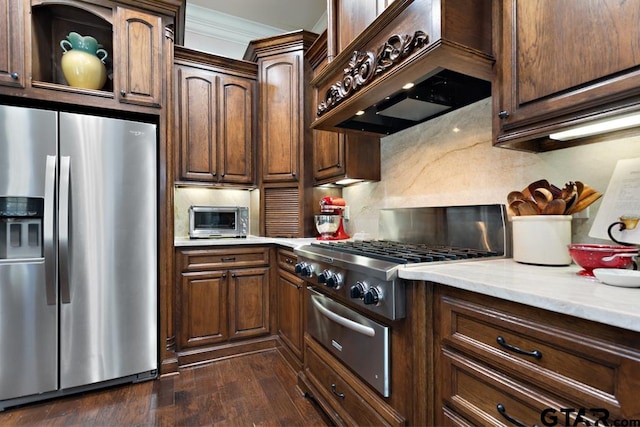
[365, 66]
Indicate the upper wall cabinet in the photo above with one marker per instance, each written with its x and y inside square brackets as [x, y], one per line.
[127, 51]
[11, 44]
[339, 156]
[215, 118]
[560, 64]
[139, 57]
[351, 18]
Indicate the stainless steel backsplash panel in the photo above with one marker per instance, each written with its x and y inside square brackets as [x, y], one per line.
[475, 226]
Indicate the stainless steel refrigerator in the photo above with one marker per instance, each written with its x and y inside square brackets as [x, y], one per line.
[78, 253]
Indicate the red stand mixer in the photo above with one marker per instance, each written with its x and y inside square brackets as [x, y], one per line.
[329, 223]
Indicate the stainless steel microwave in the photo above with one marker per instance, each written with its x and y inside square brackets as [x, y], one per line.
[218, 221]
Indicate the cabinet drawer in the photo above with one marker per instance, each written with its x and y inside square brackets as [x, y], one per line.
[344, 392]
[487, 397]
[232, 257]
[569, 357]
[287, 260]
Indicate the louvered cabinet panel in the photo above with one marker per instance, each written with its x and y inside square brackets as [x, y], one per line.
[282, 213]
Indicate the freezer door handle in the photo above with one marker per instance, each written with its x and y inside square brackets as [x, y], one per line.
[48, 229]
[63, 229]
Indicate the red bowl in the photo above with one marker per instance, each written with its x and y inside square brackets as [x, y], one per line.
[590, 256]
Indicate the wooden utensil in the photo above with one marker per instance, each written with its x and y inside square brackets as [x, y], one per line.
[555, 207]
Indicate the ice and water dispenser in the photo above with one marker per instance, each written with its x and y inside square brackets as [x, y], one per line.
[21, 221]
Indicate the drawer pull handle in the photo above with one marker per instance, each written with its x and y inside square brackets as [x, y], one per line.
[335, 392]
[229, 258]
[535, 353]
[503, 411]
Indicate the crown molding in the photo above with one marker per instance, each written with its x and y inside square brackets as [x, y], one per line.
[218, 25]
[321, 24]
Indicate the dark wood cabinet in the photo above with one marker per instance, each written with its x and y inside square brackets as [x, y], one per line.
[349, 18]
[204, 308]
[139, 57]
[290, 317]
[215, 120]
[561, 64]
[282, 111]
[134, 39]
[248, 302]
[223, 302]
[340, 155]
[497, 359]
[12, 44]
[346, 398]
[237, 130]
[285, 143]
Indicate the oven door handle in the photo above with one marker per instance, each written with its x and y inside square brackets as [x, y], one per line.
[347, 323]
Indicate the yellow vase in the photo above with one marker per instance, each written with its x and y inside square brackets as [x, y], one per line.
[83, 70]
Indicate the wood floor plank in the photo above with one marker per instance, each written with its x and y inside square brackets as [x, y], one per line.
[257, 389]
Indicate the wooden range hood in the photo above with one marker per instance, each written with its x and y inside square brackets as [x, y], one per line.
[442, 46]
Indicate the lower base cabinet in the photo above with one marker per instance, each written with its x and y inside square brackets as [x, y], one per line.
[503, 363]
[290, 308]
[223, 302]
[341, 395]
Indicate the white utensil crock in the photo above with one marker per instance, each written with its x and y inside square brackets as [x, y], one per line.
[542, 239]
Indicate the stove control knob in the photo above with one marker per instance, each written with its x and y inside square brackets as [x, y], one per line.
[304, 269]
[372, 296]
[322, 277]
[357, 291]
[334, 281]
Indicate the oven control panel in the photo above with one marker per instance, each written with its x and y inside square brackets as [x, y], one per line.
[385, 298]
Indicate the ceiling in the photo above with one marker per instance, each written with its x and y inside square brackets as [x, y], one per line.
[225, 27]
[288, 15]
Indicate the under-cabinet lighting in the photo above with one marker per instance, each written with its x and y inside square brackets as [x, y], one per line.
[617, 123]
[359, 112]
[408, 86]
[348, 181]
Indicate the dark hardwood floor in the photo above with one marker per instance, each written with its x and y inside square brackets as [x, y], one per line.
[249, 390]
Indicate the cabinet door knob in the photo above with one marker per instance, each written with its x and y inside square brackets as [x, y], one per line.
[15, 76]
[123, 92]
[503, 114]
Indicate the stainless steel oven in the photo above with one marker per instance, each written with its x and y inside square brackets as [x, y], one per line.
[354, 295]
[356, 340]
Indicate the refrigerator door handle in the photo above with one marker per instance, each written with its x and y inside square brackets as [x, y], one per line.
[63, 229]
[48, 229]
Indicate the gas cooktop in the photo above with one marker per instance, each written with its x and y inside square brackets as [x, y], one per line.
[407, 253]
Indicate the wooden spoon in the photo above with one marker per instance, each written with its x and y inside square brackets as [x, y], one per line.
[555, 207]
[528, 208]
[541, 183]
[584, 202]
[515, 195]
[570, 195]
[542, 196]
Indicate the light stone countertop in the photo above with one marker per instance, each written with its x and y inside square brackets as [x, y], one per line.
[249, 240]
[557, 289]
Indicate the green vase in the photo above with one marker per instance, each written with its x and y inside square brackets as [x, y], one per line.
[83, 61]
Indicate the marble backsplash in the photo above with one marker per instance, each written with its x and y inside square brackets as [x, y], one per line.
[450, 161]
